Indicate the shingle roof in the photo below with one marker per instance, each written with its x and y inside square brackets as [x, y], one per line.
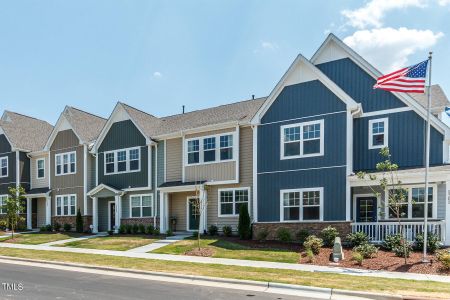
[24, 132]
[438, 98]
[86, 125]
[241, 112]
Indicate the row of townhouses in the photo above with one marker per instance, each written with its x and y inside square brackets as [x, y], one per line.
[290, 157]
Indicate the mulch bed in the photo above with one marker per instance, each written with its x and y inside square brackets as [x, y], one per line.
[264, 244]
[206, 252]
[384, 260]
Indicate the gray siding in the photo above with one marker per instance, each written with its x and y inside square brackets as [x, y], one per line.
[103, 213]
[160, 171]
[40, 212]
[174, 162]
[35, 181]
[10, 180]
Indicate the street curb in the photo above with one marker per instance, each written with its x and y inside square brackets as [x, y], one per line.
[329, 293]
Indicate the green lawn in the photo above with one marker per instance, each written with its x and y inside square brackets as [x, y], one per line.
[40, 238]
[227, 249]
[116, 242]
[319, 279]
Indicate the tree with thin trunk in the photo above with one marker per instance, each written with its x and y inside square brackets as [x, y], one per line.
[199, 210]
[396, 194]
[14, 207]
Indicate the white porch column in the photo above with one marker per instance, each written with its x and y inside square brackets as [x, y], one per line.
[48, 210]
[202, 226]
[29, 211]
[447, 214]
[163, 210]
[95, 215]
[118, 202]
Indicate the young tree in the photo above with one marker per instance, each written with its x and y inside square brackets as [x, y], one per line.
[14, 207]
[79, 222]
[396, 194]
[200, 209]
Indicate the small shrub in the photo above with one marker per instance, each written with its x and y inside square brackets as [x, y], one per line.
[3, 224]
[67, 227]
[195, 234]
[141, 228]
[357, 238]
[57, 227]
[328, 234]
[444, 257]
[367, 250]
[150, 229]
[401, 251]
[110, 232]
[122, 229]
[227, 230]
[392, 241]
[284, 235]
[169, 232]
[156, 231]
[244, 224]
[128, 228]
[310, 256]
[358, 257]
[212, 230]
[262, 234]
[79, 222]
[313, 243]
[432, 245]
[43, 228]
[49, 228]
[135, 229]
[301, 235]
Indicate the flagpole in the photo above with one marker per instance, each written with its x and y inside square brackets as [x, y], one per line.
[427, 165]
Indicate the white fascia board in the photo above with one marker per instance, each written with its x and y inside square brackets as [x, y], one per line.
[315, 74]
[375, 73]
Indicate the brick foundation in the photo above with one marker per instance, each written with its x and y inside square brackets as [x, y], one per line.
[344, 228]
[144, 221]
[87, 221]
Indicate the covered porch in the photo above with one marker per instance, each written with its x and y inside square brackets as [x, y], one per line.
[38, 207]
[106, 208]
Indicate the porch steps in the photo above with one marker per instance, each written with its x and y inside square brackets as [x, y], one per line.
[159, 244]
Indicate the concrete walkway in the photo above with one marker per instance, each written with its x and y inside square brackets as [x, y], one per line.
[8, 234]
[60, 242]
[159, 244]
[236, 262]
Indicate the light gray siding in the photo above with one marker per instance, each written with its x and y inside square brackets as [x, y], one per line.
[103, 213]
[174, 163]
[35, 181]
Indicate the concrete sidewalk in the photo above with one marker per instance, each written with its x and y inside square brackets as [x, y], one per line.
[237, 262]
[159, 244]
[60, 242]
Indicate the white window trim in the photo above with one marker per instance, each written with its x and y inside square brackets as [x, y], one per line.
[320, 189]
[386, 133]
[140, 206]
[1, 204]
[217, 149]
[234, 215]
[7, 166]
[301, 125]
[62, 205]
[409, 202]
[37, 167]
[127, 161]
[62, 163]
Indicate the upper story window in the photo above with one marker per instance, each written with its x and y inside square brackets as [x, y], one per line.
[231, 200]
[210, 149]
[412, 203]
[40, 166]
[141, 206]
[65, 163]
[3, 202]
[301, 204]
[302, 139]
[122, 161]
[378, 133]
[66, 205]
[4, 166]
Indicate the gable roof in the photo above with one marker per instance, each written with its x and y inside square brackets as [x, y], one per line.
[293, 76]
[23, 132]
[341, 50]
[438, 99]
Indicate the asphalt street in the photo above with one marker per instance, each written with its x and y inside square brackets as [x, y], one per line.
[30, 282]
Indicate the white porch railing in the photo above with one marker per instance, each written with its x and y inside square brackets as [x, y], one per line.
[377, 231]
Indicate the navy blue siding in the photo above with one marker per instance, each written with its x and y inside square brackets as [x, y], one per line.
[406, 142]
[5, 150]
[359, 85]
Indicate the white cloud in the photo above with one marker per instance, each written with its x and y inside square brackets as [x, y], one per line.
[444, 2]
[373, 12]
[266, 46]
[157, 74]
[389, 48]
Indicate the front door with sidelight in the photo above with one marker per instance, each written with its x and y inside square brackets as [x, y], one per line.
[112, 215]
[366, 209]
[193, 214]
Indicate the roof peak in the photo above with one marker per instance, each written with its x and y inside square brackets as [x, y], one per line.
[86, 112]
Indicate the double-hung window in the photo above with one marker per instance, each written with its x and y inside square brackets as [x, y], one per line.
[410, 202]
[193, 152]
[66, 205]
[122, 161]
[65, 163]
[40, 166]
[301, 204]
[141, 206]
[2, 203]
[378, 133]
[226, 147]
[231, 200]
[209, 149]
[4, 166]
[302, 139]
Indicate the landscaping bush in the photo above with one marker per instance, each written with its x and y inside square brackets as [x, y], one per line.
[313, 243]
[169, 232]
[401, 251]
[44, 228]
[141, 228]
[110, 232]
[367, 250]
[262, 234]
[328, 234]
[67, 227]
[392, 241]
[444, 257]
[310, 256]
[156, 231]
[284, 235]
[212, 230]
[358, 257]
[244, 225]
[150, 229]
[122, 229]
[79, 222]
[432, 245]
[227, 230]
[357, 238]
[301, 235]
[128, 228]
[135, 229]
[57, 227]
[3, 224]
[49, 228]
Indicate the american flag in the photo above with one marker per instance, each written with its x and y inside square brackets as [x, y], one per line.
[406, 80]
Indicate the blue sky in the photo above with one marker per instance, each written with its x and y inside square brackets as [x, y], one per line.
[159, 55]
